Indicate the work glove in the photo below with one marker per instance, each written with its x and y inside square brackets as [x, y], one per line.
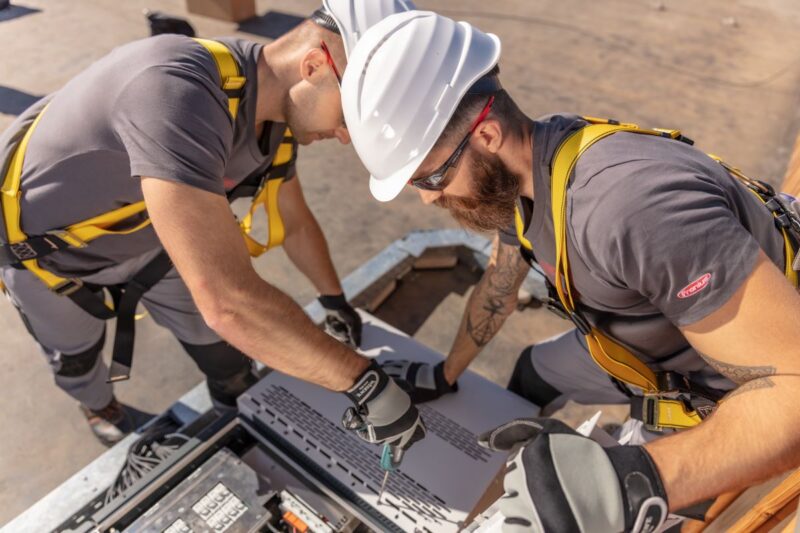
[342, 322]
[382, 412]
[422, 381]
[558, 480]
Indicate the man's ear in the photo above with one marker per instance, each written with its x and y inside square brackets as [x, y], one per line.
[311, 65]
[489, 135]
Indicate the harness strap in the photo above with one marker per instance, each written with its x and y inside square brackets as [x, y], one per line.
[231, 80]
[655, 408]
[612, 357]
[10, 195]
[768, 197]
[267, 198]
[32, 248]
[659, 413]
[127, 298]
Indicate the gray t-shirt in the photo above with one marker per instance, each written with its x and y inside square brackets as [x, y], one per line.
[659, 236]
[152, 107]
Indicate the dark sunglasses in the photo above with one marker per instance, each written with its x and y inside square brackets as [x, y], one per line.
[437, 181]
[330, 62]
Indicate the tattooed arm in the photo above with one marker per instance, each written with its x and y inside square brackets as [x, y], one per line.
[492, 300]
[754, 340]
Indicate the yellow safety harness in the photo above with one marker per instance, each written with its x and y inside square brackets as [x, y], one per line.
[664, 402]
[23, 251]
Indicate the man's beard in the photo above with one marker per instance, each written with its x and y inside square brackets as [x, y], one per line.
[491, 206]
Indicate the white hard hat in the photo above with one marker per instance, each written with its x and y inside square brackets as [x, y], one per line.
[354, 17]
[403, 82]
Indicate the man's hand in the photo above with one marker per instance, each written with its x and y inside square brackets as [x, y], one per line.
[558, 480]
[383, 413]
[342, 322]
[421, 381]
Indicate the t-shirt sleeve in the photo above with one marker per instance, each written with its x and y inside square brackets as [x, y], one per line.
[508, 236]
[175, 127]
[668, 233]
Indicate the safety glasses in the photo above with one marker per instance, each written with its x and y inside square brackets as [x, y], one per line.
[438, 180]
[331, 63]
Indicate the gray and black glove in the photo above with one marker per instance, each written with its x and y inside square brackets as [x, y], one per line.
[383, 412]
[559, 480]
[421, 381]
[342, 322]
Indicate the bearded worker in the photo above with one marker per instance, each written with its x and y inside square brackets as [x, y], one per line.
[675, 268]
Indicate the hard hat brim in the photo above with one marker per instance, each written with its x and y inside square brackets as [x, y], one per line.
[386, 190]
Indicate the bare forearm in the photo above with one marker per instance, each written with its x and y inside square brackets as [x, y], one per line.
[308, 250]
[270, 327]
[203, 240]
[752, 436]
[492, 301]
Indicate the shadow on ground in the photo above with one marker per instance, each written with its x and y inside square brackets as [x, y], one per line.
[14, 102]
[271, 24]
[14, 11]
[139, 418]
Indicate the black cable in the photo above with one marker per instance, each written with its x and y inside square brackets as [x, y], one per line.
[157, 443]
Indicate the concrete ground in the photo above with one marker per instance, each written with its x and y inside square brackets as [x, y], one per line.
[726, 72]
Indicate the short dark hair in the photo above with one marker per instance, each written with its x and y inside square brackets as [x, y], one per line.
[504, 109]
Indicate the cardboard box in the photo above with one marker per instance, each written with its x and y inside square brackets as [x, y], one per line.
[230, 10]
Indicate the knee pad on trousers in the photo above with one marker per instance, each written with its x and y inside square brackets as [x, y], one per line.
[228, 371]
[526, 382]
[80, 364]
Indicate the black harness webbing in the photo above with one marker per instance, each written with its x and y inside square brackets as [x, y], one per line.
[126, 298]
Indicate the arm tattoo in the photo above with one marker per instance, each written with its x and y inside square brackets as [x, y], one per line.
[739, 374]
[760, 383]
[747, 377]
[493, 293]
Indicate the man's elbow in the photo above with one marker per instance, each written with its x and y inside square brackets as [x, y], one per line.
[219, 306]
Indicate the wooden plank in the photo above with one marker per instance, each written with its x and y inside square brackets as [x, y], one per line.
[762, 507]
[789, 525]
[743, 504]
[722, 502]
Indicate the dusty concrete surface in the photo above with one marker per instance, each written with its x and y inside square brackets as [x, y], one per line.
[726, 72]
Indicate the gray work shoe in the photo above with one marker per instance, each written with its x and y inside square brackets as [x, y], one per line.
[109, 424]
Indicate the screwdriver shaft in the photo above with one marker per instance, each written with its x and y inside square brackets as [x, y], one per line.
[383, 485]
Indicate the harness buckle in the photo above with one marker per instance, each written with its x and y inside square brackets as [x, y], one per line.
[557, 309]
[68, 237]
[671, 410]
[233, 82]
[233, 86]
[669, 381]
[23, 251]
[67, 287]
[650, 412]
[580, 322]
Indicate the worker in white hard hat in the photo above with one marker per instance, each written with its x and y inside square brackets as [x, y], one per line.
[677, 270]
[122, 180]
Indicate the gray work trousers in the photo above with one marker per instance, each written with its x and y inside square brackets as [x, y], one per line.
[63, 329]
[560, 369]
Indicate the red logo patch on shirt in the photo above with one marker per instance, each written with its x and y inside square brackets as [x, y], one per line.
[696, 286]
